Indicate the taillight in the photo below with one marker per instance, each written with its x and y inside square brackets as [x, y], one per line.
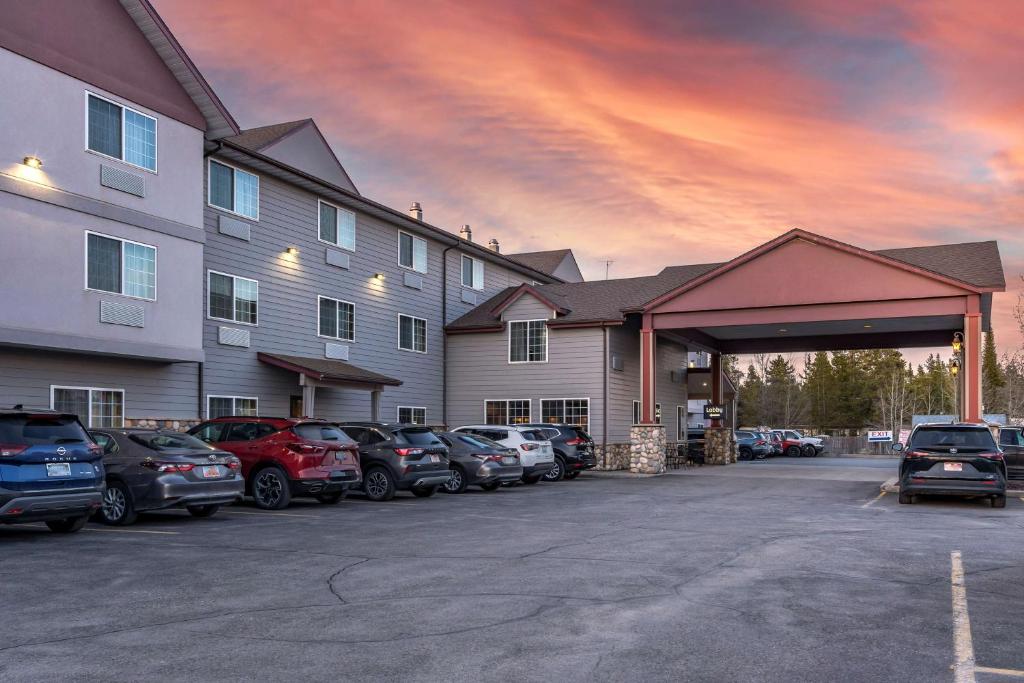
[234, 464]
[303, 448]
[529, 446]
[488, 457]
[759, 443]
[409, 451]
[915, 454]
[168, 466]
[575, 442]
[9, 450]
[992, 456]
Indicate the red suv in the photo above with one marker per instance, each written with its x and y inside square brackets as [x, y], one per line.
[285, 457]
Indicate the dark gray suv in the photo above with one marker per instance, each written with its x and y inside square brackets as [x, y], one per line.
[398, 457]
[574, 450]
[477, 461]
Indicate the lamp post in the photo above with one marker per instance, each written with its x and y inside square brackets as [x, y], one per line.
[955, 363]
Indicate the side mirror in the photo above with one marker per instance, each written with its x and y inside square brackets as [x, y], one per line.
[897, 447]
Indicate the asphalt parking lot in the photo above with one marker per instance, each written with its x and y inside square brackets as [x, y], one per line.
[763, 571]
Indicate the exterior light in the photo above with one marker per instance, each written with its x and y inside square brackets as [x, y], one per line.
[867, 326]
[292, 251]
[954, 366]
[958, 342]
[379, 276]
[783, 330]
[693, 364]
[33, 162]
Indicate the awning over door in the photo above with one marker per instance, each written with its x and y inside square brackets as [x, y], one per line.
[326, 371]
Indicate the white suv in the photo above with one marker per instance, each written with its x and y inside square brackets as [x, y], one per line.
[535, 451]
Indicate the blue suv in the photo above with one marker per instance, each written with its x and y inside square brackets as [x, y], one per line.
[50, 470]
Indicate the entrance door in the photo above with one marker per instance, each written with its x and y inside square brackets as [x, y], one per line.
[295, 406]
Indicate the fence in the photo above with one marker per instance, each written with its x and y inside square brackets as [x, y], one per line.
[857, 444]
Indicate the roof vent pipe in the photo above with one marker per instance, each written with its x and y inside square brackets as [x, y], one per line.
[416, 211]
[494, 246]
[466, 233]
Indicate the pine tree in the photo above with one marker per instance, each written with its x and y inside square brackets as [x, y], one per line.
[751, 397]
[784, 399]
[819, 390]
[993, 378]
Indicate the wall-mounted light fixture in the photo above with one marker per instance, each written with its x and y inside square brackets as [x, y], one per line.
[954, 366]
[378, 276]
[33, 162]
[291, 251]
[958, 342]
[783, 330]
[868, 326]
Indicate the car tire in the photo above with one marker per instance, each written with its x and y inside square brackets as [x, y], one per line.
[761, 456]
[793, 452]
[270, 489]
[378, 484]
[68, 525]
[532, 480]
[331, 498]
[746, 454]
[809, 451]
[456, 483]
[999, 502]
[557, 472]
[906, 499]
[202, 510]
[492, 486]
[424, 491]
[569, 476]
[117, 508]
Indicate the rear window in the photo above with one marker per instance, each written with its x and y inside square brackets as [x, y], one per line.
[946, 437]
[582, 434]
[315, 432]
[170, 442]
[34, 430]
[534, 435]
[478, 442]
[1010, 437]
[417, 437]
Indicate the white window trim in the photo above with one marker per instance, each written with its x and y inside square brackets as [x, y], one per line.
[234, 305]
[426, 334]
[156, 133]
[474, 261]
[236, 169]
[563, 400]
[638, 411]
[339, 209]
[319, 332]
[547, 343]
[88, 419]
[398, 413]
[426, 252]
[506, 401]
[122, 240]
[233, 399]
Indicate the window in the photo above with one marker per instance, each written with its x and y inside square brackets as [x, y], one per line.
[248, 431]
[527, 341]
[636, 412]
[234, 190]
[94, 407]
[472, 272]
[119, 266]
[573, 411]
[223, 406]
[514, 412]
[233, 298]
[657, 413]
[121, 133]
[337, 226]
[412, 334]
[412, 415]
[337, 319]
[412, 252]
[680, 422]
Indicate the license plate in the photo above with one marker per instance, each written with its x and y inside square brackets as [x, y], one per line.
[58, 469]
[435, 458]
[953, 466]
[508, 460]
[211, 471]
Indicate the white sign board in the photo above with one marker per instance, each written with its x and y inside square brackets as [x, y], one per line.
[904, 436]
[879, 436]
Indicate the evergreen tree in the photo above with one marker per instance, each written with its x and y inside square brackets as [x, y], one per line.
[784, 399]
[751, 397]
[819, 390]
[993, 378]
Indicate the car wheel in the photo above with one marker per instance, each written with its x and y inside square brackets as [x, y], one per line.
[532, 480]
[68, 525]
[330, 498]
[492, 486]
[999, 502]
[456, 482]
[906, 499]
[572, 475]
[117, 508]
[761, 456]
[424, 491]
[809, 451]
[202, 510]
[378, 484]
[270, 489]
[557, 472]
[746, 454]
[793, 451]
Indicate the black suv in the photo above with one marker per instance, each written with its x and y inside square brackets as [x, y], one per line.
[399, 457]
[1011, 440]
[952, 460]
[574, 450]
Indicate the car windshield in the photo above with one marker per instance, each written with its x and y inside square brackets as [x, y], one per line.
[955, 437]
[319, 432]
[159, 441]
[40, 429]
[417, 437]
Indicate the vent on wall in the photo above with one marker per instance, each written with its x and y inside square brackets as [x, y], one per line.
[468, 297]
[336, 351]
[117, 313]
[232, 227]
[413, 280]
[676, 376]
[232, 336]
[124, 181]
[617, 362]
[337, 258]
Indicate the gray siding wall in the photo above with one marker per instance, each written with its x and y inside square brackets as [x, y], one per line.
[527, 307]
[478, 370]
[496, 279]
[670, 358]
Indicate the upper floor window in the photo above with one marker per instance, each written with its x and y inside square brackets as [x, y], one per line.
[337, 226]
[472, 272]
[120, 132]
[337, 319]
[527, 341]
[233, 298]
[412, 415]
[120, 266]
[412, 252]
[234, 190]
[412, 334]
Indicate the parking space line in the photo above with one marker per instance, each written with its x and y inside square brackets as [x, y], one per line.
[873, 500]
[132, 531]
[1015, 673]
[963, 646]
[268, 514]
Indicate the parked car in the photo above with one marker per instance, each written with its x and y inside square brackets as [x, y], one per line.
[952, 459]
[535, 451]
[751, 445]
[399, 457]
[50, 470]
[776, 440]
[574, 450]
[1011, 441]
[286, 457]
[476, 461]
[149, 469]
[795, 444]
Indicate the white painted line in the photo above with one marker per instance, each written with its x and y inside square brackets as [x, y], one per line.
[963, 647]
[1016, 673]
[269, 514]
[132, 531]
[873, 500]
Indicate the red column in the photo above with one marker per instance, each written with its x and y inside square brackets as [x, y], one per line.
[647, 369]
[717, 395]
[971, 402]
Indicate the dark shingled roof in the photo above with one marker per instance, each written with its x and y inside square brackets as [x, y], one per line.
[977, 264]
[544, 261]
[329, 370]
[258, 138]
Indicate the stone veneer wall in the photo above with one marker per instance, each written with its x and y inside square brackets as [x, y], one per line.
[719, 446]
[157, 423]
[647, 449]
[612, 456]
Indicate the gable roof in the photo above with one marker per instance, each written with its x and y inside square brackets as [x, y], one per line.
[544, 261]
[970, 262]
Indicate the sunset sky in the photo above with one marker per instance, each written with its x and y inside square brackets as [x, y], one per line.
[650, 133]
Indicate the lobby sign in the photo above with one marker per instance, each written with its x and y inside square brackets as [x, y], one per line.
[714, 411]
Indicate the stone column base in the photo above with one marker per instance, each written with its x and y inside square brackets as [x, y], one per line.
[612, 456]
[160, 423]
[647, 449]
[719, 446]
